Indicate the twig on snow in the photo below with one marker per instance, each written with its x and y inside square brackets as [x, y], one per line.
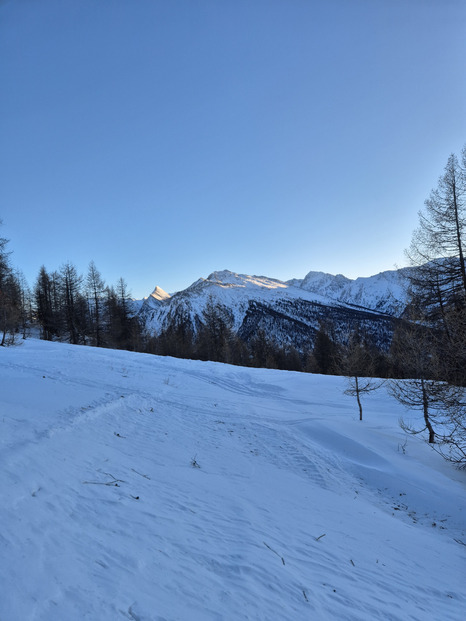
[113, 483]
[140, 474]
[272, 550]
[109, 483]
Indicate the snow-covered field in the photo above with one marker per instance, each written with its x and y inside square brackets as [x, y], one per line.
[147, 488]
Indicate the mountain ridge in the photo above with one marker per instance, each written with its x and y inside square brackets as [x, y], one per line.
[382, 292]
[289, 312]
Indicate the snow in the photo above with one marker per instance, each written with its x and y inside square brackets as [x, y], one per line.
[385, 292]
[147, 488]
[226, 278]
[232, 291]
[159, 294]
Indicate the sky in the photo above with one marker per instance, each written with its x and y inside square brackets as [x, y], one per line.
[167, 139]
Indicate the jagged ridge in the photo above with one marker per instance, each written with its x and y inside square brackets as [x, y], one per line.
[291, 312]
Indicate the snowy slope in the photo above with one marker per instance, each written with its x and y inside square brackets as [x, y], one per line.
[146, 488]
[385, 292]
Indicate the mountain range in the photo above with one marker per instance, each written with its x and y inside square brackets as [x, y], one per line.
[289, 312]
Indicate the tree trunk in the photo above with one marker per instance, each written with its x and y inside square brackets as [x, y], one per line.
[425, 405]
[459, 240]
[357, 396]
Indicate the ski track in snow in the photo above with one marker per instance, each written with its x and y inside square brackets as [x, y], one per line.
[138, 487]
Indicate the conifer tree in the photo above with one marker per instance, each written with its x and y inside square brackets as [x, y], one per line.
[431, 351]
[438, 248]
[95, 289]
[214, 335]
[10, 297]
[325, 352]
[72, 303]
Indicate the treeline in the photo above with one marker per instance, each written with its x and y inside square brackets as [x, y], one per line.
[14, 298]
[214, 339]
[67, 306]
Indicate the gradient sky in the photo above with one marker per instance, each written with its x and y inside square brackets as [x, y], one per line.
[166, 139]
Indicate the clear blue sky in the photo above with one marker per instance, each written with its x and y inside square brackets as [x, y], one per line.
[166, 139]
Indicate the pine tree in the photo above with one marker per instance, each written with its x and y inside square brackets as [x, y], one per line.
[72, 303]
[10, 307]
[262, 354]
[214, 335]
[95, 289]
[122, 327]
[44, 305]
[438, 247]
[325, 352]
[10, 297]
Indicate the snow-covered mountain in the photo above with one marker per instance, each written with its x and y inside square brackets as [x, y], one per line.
[289, 312]
[384, 292]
